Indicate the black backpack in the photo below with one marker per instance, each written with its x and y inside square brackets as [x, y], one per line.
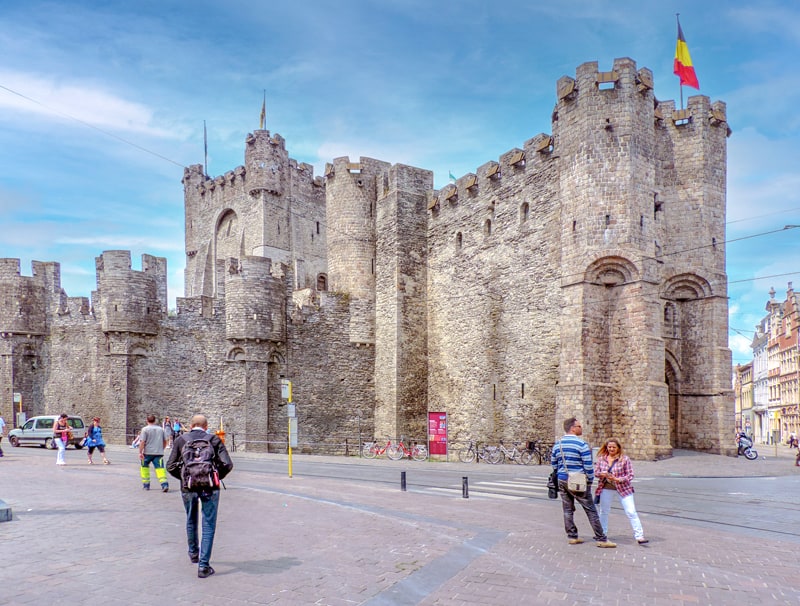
[199, 471]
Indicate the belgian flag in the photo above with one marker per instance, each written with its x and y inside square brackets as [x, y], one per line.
[682, 66]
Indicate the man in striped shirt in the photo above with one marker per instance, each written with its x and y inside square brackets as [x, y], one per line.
[571, 453]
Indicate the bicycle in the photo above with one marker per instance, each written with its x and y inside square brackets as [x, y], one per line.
[370, 450]
[539, 452]
[487, 453]
[521, 457]
[418, 452]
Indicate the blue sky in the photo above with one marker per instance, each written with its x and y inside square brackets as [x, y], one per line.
[445, 85]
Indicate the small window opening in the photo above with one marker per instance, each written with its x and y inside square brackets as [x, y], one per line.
[494, 391]
[608, 219]
[524, 212]
[487, 227]
[459, 241]
[522, 390]
[574, 225]
[317, 227]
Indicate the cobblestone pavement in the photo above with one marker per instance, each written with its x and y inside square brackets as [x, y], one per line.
[89, 534]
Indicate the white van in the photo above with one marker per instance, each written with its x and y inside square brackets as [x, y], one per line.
[39, 432]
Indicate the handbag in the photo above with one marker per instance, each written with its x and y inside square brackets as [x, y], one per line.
[552, 485]
[576, 480]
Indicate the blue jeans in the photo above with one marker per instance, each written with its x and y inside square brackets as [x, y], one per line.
[192, 503]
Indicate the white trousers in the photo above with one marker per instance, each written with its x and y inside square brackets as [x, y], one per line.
[62, 448]
[628, 507]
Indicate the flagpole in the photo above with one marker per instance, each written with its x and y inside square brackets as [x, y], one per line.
[205, 149]
[678, 21]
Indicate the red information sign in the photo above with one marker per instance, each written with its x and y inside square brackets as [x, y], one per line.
[437, 433]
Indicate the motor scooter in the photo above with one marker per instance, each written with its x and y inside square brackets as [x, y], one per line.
[746, 448]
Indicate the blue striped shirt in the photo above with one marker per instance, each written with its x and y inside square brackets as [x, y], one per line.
[576, 454]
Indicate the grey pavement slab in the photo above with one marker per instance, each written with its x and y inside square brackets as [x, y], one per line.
[90, 534]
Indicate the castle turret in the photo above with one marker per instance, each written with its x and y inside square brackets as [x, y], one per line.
[352, 190]
[130, 301]
[23, 300]
[255, 300]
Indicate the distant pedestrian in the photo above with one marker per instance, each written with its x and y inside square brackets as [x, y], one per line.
[614, 473]
[200, 460]
[61, 436]
[151, 450]
[572, 454]
[168, 433]
[177, 428]
[2, 433]
[94, 439]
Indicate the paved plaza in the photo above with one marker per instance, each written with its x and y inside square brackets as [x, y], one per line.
[90, 535]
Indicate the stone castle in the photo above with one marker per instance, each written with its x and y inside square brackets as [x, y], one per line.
[581, 274]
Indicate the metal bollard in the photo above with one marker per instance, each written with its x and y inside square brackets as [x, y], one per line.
[403, 481]
[465, 487]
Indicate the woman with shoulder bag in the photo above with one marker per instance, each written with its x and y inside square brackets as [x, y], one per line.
[614, 471]
[61, 435]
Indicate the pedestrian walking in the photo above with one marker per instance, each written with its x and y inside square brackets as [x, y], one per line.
[177, 428]
[94, 439]
[572, 454]
[151, 450]
[61, 436]
[168, 433]
[200, 460]
[614, 472]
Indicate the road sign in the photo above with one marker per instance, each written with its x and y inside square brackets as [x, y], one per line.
[17, 397]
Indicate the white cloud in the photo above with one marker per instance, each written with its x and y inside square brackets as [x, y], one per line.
[47, 97]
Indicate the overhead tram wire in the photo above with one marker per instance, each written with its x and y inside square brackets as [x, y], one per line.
[93, 127]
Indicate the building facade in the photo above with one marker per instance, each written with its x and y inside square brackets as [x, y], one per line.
[581, 274]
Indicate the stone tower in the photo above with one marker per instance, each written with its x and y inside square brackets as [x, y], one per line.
[642, 263]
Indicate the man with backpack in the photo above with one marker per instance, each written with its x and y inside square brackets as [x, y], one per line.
[200, 461]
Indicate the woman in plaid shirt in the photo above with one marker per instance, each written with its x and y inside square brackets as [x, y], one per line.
[614, 473]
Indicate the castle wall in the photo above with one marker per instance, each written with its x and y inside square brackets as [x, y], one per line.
[333, 379]
[494, 300]
[581, 274]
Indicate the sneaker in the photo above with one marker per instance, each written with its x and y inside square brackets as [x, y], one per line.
[575, 541]
[205, 572]
[165, 488]
[146, 486]
[606, 544]
[642, 541]
[194, 558]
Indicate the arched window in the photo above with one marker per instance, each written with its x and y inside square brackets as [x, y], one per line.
[524, 211]
[487, 227]
[322, 282]
[459, 241]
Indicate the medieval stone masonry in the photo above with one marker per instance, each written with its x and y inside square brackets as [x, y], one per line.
[582, 274]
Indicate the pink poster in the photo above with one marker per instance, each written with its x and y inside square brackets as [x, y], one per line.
[437, 433]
